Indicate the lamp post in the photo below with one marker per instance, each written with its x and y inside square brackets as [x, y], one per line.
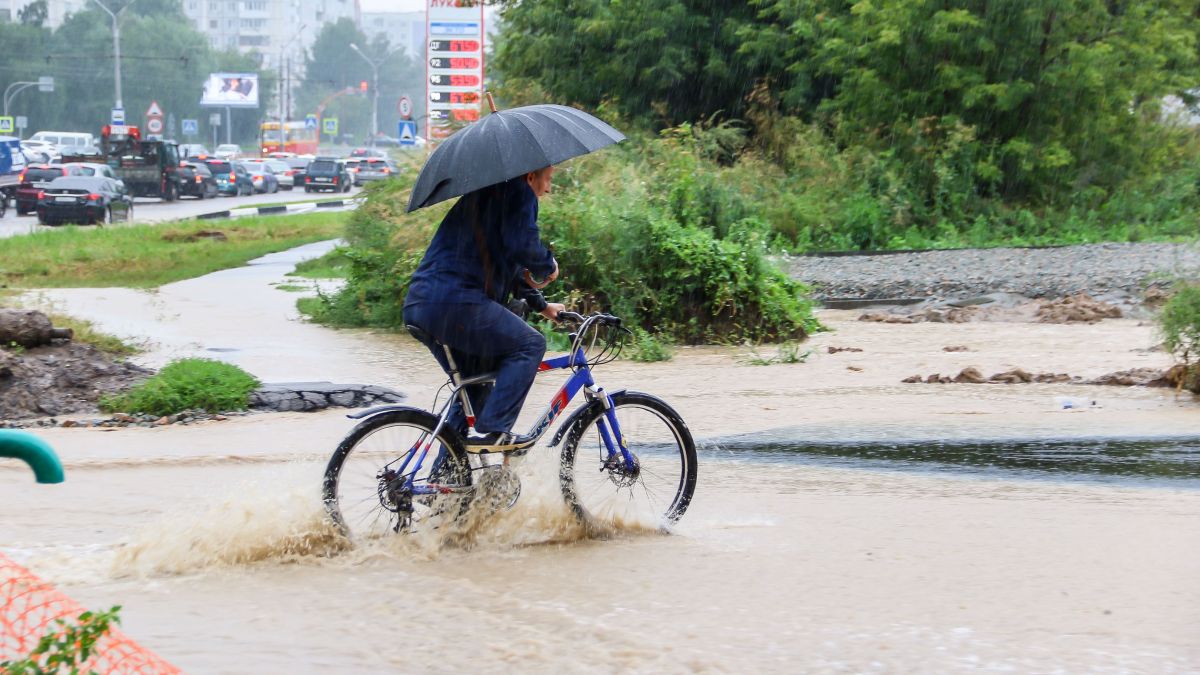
[375, 85]
[284, 109]
[44, 83]
[116, 31]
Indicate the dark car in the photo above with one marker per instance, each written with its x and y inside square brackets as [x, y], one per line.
[232, 177]
[327, 173]
[262, 177]
[84, 200]
[34, 178]
[374, 169]
[197, 180]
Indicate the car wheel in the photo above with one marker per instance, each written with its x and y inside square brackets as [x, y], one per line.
[307, 189]
[171, 192]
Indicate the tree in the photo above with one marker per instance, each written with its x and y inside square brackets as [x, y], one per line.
[34, 14]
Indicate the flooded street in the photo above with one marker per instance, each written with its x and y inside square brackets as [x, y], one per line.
[843, 522]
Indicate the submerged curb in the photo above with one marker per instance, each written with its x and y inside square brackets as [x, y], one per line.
[312, 396]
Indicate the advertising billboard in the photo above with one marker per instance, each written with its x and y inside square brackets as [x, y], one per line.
[235, 90]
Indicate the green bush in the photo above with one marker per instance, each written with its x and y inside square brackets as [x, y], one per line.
[66, 645]
[1179, 324]
[187, 384]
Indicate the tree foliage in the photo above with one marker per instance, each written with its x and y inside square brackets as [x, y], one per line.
[937, 113]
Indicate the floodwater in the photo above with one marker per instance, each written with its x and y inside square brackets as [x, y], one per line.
[843, 522]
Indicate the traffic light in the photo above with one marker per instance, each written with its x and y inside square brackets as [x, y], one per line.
[362, 86]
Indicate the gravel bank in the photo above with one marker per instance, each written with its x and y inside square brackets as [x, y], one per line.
[1102, 270]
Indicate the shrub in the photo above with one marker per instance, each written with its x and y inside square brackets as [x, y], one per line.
[187, 384]
[1179, 324]
[66, 645]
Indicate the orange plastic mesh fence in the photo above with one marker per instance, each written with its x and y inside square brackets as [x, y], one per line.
[28, 608]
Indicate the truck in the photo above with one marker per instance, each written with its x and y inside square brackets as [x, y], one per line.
[12, 163]
[149, 167]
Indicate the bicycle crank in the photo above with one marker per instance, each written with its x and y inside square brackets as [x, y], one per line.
[497, 487]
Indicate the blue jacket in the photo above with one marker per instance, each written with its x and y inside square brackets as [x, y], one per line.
[481, 249]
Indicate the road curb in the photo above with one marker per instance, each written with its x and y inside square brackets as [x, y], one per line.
[274, 210]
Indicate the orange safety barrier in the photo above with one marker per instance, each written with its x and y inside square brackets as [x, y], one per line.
[28, 608]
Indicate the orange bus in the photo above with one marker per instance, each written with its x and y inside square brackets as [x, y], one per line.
[296, 139]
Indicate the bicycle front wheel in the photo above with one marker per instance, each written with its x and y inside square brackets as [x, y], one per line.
[390, 476]
[656, 490]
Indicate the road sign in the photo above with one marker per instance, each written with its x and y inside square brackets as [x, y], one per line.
[154, 110]
[22, 122]
[310, 121]
[154, 125]
[6, 125]
[118, 116]
[330, 126]
[190, 127]
[407, 132]
[214, 119]
[46, 83]
[404, 107]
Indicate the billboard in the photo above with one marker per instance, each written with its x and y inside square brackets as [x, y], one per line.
[235, 90]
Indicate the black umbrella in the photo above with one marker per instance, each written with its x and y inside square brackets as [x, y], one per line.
[505, 145]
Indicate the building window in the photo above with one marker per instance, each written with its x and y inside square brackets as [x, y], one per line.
[255, 6]
[212, 24]
[253, 40]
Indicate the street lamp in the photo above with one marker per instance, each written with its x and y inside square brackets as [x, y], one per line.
[284, 108]
[116, 30]
[43, 83]
[375, 85]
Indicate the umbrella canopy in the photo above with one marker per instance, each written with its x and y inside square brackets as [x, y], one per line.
[505, 145]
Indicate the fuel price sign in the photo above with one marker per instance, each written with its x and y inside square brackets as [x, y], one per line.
[454, 74]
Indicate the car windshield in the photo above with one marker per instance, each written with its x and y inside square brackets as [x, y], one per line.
[78, 183]
[220, 167]
[297, 162]
[323, 165]
[200, 169]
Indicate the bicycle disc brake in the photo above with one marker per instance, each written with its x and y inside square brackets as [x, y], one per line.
[621, 475]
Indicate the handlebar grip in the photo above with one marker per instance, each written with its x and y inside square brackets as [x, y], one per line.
[569, 316]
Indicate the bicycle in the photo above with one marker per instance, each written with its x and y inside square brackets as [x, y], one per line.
[626, 456]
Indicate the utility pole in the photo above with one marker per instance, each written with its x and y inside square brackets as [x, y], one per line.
[284, 74]
[116, 31]
[375, 85]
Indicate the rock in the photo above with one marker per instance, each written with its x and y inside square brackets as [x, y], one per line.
[1014, 376]
[970, 375]
[1079, 308]
[956, 348]
[1137, 377]
[835, 350]
[911, 379]
[29, 328]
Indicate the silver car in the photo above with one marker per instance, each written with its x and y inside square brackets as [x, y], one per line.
[372, 169]
[284, 173]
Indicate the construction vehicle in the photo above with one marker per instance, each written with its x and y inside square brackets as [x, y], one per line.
[149, 167]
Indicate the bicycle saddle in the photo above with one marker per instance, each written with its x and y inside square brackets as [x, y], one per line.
[421, 336]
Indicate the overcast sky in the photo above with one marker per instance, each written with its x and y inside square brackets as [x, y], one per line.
[392, 5]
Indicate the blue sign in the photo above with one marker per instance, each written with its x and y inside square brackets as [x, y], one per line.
[310, 121]
[190, 127]
[407, 132]
[454, 27]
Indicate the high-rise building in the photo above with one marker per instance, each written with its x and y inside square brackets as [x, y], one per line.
[405, 30]
[277, 30]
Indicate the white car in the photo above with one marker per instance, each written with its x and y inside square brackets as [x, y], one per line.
[228, 151]
[41, 151]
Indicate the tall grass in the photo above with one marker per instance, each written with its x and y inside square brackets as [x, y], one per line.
[146, 256]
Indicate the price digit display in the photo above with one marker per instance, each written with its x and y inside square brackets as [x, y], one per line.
[454, 97]
[454, 80]
[453, 46]
[454, 63]
[466, 115]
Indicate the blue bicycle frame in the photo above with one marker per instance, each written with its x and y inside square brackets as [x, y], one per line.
[609, 428]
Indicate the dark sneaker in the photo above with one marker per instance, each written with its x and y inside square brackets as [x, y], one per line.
[497, 441]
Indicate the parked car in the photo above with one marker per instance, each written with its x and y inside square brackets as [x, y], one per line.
[368, 152]
[232, 178]
[327, 173]
[197, 180]
[34, 179]
[67, 141]
[84, 200]
[228, 151]
[193, 150]
[262, 176]
[374, 169]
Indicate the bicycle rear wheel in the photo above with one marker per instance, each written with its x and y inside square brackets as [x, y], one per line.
[656, 491]
[374, 487]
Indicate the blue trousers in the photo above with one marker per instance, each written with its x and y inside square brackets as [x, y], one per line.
[484, 337]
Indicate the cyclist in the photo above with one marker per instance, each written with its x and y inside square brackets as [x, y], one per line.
[486, 250]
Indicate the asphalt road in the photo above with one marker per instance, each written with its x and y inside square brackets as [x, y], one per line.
[149, 210]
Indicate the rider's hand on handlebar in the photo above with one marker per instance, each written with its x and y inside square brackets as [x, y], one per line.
[552, 310]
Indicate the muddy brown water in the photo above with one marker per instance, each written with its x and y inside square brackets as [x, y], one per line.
[799, 554]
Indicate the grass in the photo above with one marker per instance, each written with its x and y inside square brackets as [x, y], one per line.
[86, 333]
[187, 384]
[332, 265]
[147, 256]
[291, 288]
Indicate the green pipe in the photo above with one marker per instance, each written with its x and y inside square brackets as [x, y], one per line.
[33, 451]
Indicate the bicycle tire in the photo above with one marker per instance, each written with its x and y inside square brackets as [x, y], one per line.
[661, 441]
[365, 509]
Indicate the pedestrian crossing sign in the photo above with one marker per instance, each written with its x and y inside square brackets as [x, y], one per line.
[407, 133]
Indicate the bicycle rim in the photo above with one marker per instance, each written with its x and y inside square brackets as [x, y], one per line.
[365, 481]
[657, 492]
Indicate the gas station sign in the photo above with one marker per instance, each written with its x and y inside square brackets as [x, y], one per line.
[454, 86]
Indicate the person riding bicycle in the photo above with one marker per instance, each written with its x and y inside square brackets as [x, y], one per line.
[486, 250]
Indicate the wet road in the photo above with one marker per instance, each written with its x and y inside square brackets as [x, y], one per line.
[148, 210]
[826, 534]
